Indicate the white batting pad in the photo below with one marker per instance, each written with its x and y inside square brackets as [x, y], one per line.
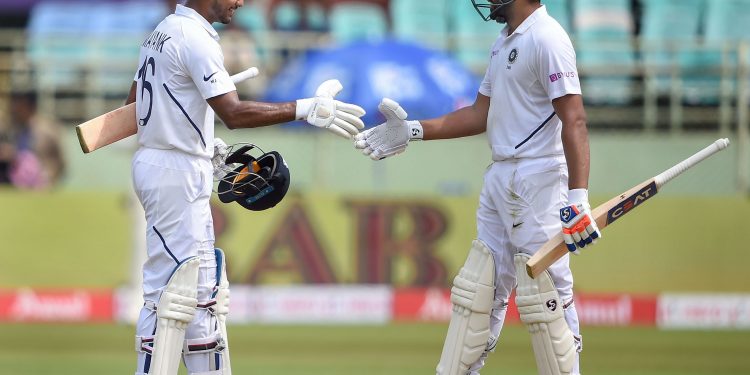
[541, 309]
[472, 296]
[175, 310]
[222, 306]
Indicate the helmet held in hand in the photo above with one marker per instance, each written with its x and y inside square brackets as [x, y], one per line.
[255, 183]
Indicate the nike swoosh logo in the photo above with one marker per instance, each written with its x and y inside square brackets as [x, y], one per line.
[517, 225]
[205, 79]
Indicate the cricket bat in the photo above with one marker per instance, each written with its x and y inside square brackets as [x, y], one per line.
[618, 206]
[120, 123]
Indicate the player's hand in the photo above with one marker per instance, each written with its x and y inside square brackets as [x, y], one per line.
[220, 154]
[391, 137]
[579, 227]
[323, 111]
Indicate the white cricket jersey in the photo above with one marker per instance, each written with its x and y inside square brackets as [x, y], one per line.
[527, 70]
[180, 66]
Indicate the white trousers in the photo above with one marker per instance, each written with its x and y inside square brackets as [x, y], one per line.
[174, 189]
[519, 212]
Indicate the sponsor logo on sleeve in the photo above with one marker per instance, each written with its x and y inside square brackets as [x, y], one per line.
[560, 75]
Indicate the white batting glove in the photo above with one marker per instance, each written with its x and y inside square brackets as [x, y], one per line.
[220, 154]
[323, 111]
[579, 227]
[391, 137]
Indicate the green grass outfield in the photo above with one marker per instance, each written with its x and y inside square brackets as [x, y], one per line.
[396, 349]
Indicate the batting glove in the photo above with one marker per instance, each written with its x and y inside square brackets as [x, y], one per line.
[220, 154]
[343, 119]
[579, 227]
[391, 137]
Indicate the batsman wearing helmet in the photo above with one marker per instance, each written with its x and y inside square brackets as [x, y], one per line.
[530, 105]
[180, 85]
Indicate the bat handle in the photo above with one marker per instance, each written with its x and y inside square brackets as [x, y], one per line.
[688, 163]
[245, 75]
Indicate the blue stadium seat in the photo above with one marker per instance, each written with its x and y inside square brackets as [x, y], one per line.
[421, 22]
[251, 17]
[69, 38]
[57, 35]
[670, 30]
[316, 18]
[726, 20]
[287, 16]
[603, 32]
[356, 21]
[711, 72]
[473, 37]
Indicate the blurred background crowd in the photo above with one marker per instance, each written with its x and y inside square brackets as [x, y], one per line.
[666, 65]
[660, 65]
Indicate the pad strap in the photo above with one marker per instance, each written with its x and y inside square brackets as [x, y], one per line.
[210, 344]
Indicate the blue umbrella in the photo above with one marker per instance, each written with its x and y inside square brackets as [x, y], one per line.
[427, 83]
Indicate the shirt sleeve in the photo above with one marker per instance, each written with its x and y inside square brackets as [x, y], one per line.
[485, 88]
[205, 63]
[557, 66]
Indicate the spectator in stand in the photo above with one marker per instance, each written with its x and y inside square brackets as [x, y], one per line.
[30, 152]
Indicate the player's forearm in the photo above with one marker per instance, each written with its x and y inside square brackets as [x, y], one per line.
[464, 122]
[256, 114]
[576, 147]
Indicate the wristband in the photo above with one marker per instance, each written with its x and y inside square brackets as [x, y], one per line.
[578, 195]
[303, 108]
[416, 133]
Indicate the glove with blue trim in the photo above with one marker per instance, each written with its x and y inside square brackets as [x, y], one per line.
[578, 226]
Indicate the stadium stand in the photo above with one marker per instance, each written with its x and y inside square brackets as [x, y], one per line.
[252, 18]
[57, 42]
[413, 20]
[725, 27]
[287, 16]
[472, 37]
[82, 47]
[603, 33]
[677, 52]
[669, 27]
[670, 30]
[355, 21]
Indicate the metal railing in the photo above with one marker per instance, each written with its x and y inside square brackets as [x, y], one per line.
[99, 82]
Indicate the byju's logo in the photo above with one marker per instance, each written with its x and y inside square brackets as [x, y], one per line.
[557, 76]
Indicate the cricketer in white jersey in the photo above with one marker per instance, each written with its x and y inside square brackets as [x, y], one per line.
[530, 105]
[179, 85]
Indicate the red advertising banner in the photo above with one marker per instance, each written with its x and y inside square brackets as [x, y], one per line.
[417, 304]
[616, 309]
[70, 305]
